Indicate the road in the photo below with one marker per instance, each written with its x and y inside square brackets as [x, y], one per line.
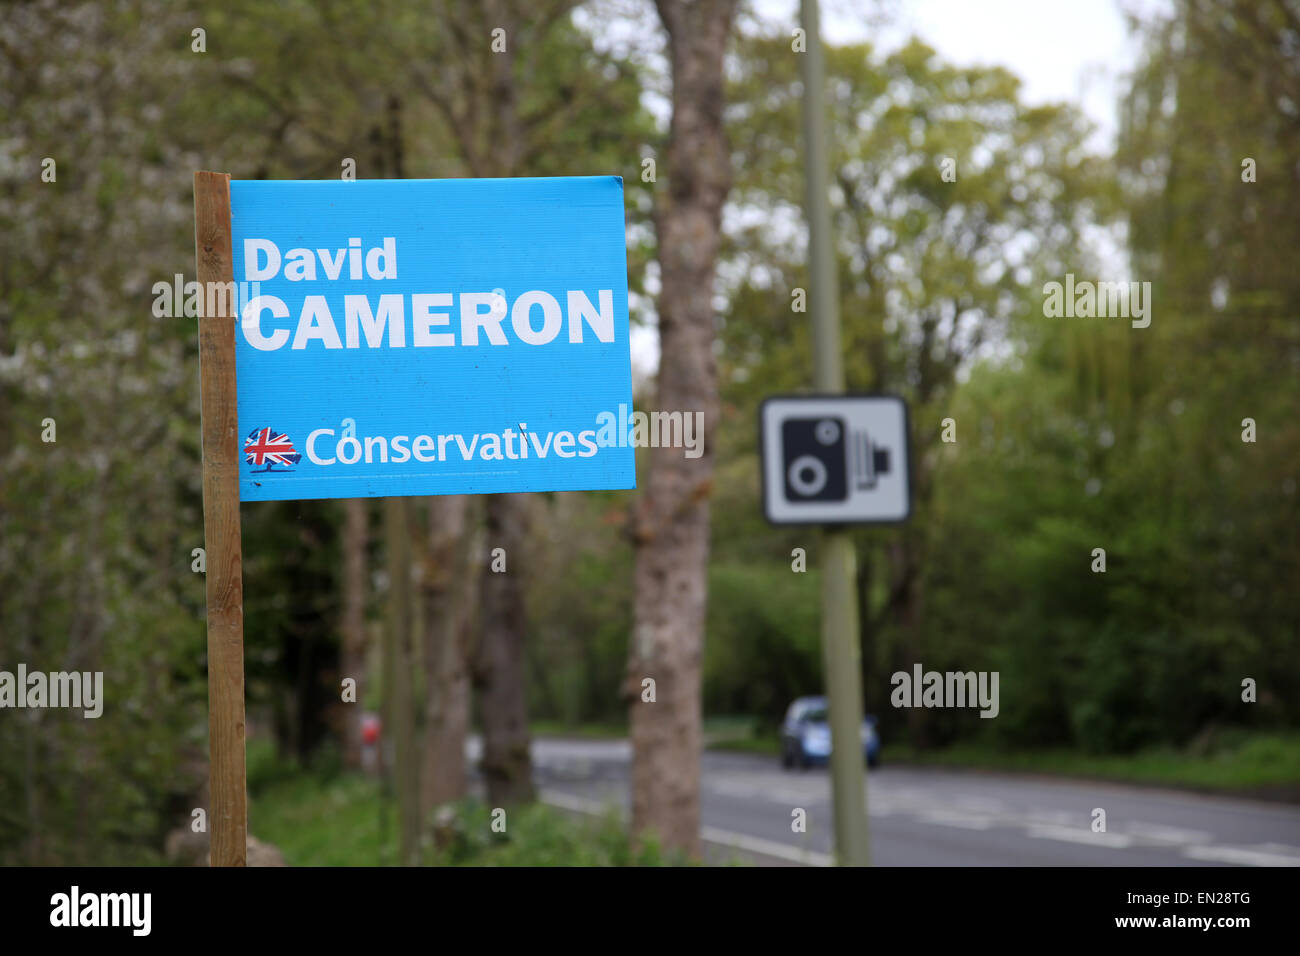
[933, 817]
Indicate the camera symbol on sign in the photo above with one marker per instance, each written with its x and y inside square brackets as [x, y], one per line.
[822, 459]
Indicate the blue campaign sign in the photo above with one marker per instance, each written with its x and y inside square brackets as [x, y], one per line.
[426, 337]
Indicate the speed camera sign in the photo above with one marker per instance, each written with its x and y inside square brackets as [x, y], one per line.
[834, 459]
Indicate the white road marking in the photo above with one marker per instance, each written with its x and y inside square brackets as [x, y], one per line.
[1244, 855]
[781, 851]
[1155, 833]
[1049, 818]
[1283, 848]
[567, 801]
[748, 789]
[982, 805]
[1113, 841]
[738, 841]
[956, 818]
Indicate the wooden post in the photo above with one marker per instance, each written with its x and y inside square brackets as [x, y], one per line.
[228, 812]
[405, 772]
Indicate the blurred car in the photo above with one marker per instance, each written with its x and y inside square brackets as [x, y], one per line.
[806, 734]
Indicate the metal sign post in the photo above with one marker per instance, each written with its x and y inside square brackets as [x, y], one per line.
[840, 642]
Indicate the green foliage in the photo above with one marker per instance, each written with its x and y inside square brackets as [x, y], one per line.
[580, 616]
[328, 819]
[1072, 434]
[96, 530]
[762, 646]
[537, 835]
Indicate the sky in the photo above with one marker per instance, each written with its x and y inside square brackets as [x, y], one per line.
[1073, 50]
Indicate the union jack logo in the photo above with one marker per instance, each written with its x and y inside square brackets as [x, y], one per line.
[265, 446]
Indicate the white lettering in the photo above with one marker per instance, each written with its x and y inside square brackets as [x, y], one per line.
[311, 446]
[252, 323]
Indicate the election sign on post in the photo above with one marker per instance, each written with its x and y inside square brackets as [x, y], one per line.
[389, 338]
[423, 337]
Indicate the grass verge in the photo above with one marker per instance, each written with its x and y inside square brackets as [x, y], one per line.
[1260, 765]
[325, 818]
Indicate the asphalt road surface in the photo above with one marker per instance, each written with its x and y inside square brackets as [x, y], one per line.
[931, 817]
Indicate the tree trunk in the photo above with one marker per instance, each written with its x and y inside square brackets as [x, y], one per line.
[907, 588]
[401, 712]
[672, 522]
[499, 660]
[352, 661]
[447, 599]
